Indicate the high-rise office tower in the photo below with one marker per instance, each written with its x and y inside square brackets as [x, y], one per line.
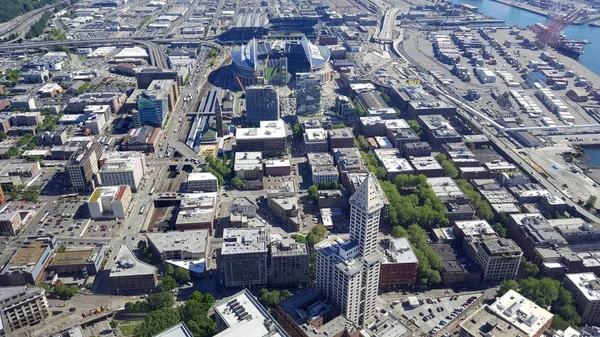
[348, 273]
[262, 103]
[308, 93]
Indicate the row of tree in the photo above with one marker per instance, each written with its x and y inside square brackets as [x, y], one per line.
[14, 8]
[38, 28]
[547, 293]
[483, 210]
[430, 265]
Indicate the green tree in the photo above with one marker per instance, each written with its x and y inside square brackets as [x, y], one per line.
[528, 269]
[237, 183]
[129, 307]
[363, 144]
[142, 245]
[65, 292]
[299, 238]
[380, 172]
[591, 201]
[182, 275]
[399, 232]
[169, 270]
[317, 233]
[157, 321]
[3, 135]
[113, 324]
[45, 286]
[268, 298]
[140, 306]
[499, 229]
[415, 126]
[167, 284]
[506, 286]
[559, 323]
[160, 300]
[284, 294]
[313, 193]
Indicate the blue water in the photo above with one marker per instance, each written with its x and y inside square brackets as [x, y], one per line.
[594, 156]
[519, 17]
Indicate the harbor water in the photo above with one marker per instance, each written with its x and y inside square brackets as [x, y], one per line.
[523, 18]
[592, 156]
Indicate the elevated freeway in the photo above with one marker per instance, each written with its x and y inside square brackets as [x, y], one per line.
[385, 34]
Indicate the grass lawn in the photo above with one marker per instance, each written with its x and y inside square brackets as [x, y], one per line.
[127, 327]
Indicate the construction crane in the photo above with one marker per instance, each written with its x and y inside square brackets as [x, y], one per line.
[240, 83]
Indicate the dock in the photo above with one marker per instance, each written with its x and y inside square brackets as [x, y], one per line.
[469, 7]
[525, 7]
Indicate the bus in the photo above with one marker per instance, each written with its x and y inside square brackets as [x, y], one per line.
[142, 209]
[73, 195]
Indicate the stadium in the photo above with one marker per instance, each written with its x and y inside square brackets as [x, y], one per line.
[274, 62]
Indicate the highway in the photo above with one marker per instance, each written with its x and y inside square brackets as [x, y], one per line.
[22, 23]
[386, 31]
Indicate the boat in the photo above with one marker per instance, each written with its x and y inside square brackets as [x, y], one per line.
[570, 48]
[594, 24]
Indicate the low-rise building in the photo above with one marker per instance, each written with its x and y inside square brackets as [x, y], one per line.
[28, 264]
[244, 206]
[510, 315]
[129, 275]
[196, 218]
[455, 270]
[202, 182]
[349, 159]
[110, 202]
[438, 131]
[322, 168]
[80, 261]
[278, 167]
[248, 166]
[339, 138]
[427, 166]
[289, 263]
[315, 140]
[416, 149]
[393, 163]
[188, 245]
[242, 315]
[22, 306]
[269, 138]
[585, 288]
[498, 259]
[285, 208]
[144, 139]
[122, 168]
[399, 266]
[243, 258]
[447, 190]
[532, 230]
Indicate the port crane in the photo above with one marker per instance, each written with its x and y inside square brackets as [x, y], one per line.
[550, 33]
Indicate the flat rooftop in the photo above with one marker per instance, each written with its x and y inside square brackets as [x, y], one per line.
[320, 159]
[588, 284]
[474, 227]
[288, 247]
[445, 188]
[399, 250]
[71, 257]
[393, 162]
[425, 163]
[193, 241]
[247, 161]
[243, 241]
[127, 264]
[245, 316]
[439, 126]
[199, 176]
[267, 130]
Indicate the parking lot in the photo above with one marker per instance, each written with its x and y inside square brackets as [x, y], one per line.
[442, 311]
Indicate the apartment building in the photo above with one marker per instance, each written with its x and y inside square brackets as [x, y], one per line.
[122, 168]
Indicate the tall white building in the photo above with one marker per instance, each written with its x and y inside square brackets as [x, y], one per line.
[348, 272]
[122, 168]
